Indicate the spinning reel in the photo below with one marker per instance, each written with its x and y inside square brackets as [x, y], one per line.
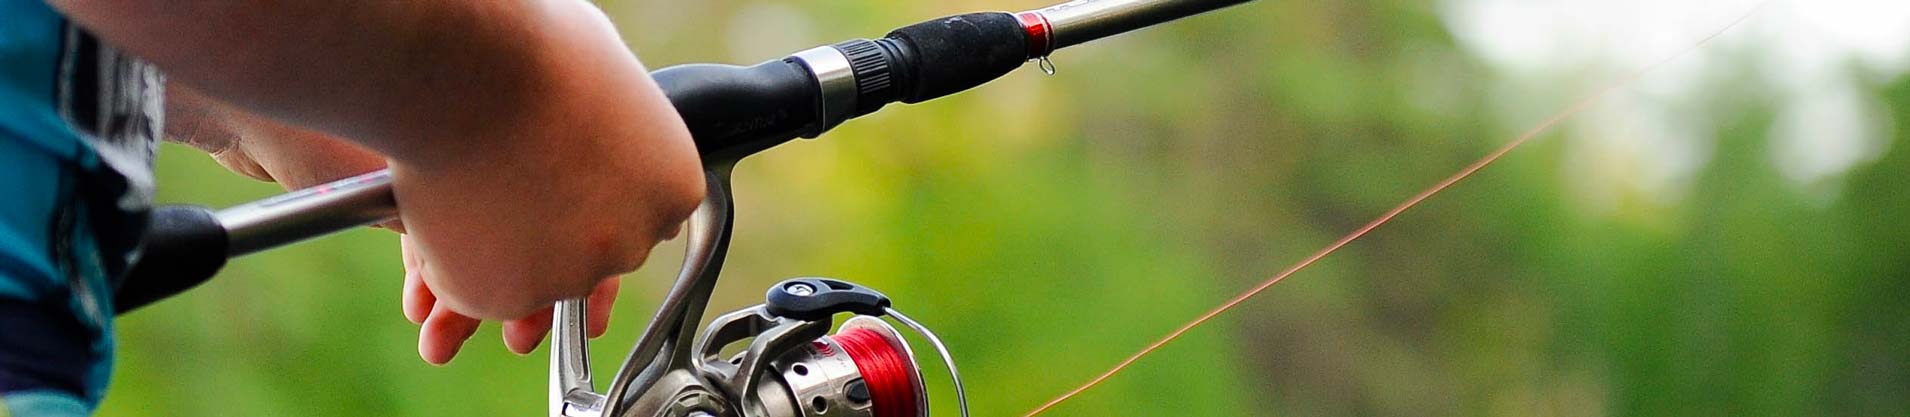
[790, 366]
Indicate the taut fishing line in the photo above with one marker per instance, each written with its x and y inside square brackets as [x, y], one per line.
[1463, 173]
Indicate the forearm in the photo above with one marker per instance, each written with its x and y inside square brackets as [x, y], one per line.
[414, 80]
[531, 154]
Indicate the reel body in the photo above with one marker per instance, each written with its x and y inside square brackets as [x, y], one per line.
[837, 375]
[789, 365]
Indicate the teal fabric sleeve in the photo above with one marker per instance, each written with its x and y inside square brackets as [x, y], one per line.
[55, 301]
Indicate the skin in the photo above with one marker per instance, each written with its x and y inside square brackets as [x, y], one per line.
[268, 150]
[532, 156]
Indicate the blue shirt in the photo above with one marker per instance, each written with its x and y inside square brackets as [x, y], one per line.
[78, 126]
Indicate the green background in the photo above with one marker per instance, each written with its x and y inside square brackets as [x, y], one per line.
[1048, 226]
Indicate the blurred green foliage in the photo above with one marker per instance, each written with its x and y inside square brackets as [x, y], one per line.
[1049, 226]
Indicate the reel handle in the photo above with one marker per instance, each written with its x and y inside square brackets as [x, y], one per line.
[662, 356]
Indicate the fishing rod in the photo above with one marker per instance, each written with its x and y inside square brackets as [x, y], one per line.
[791, 365]
[731, 111]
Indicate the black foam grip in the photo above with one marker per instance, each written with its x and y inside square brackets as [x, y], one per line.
[184, 246]
[959, 52]
[734, 111]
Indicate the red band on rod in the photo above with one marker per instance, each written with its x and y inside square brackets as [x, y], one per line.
[1040, 33]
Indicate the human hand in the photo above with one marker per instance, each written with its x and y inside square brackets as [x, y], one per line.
[294, 157]
[443, 331]
[531, 153]
[578, 180]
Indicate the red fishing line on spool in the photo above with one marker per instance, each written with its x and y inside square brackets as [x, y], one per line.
[886, 370]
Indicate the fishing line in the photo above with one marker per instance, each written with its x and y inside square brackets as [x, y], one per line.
[1521, 139]
[887, 373]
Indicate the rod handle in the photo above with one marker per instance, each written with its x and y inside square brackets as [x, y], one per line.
[183, 247]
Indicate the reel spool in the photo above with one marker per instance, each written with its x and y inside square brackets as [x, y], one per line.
[866, 369]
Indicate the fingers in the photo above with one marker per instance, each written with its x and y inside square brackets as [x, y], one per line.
[523, 335]
[261, 147]
[443, 334]
[297, 157]
[418, 299]
[394, 225]
[208, 124]
[672, 232]
[235, 159]
[597, 316]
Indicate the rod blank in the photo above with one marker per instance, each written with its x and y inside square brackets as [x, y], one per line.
[1080, 21]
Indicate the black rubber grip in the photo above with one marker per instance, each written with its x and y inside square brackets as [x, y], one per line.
[959, 52]
[734, 111]
[184, 246]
